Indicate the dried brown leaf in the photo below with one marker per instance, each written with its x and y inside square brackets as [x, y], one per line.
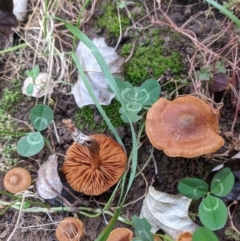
[48, 183]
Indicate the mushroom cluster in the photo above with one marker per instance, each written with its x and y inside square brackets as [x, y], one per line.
[93, 163]
[186, 127]
[17, 180]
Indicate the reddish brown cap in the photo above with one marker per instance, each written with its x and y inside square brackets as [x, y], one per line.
[92, 168]
[186, 126]
[156, 238]
[185, 237]
[70, 229]
[17, 180]
[123, 234]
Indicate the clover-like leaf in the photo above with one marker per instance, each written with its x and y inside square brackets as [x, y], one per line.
[193, 188]
[213, 213]
[41, 116]
[222, 182]
[148, 93]
[30, 144]
[133, 115]
[128, 94]
[126, 90]
[204, 234]
[142, 229]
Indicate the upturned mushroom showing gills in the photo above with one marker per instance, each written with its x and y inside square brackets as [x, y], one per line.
[93, 163]
[186, 127]
[17, 180]
[70, 229]
[120, 234]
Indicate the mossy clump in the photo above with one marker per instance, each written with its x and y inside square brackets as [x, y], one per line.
[84, 118]
[150, 59]
[10, 96]
[109, 20]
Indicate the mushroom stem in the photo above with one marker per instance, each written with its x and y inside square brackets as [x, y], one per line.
[91, 143]
[77, 135]
[93, 147]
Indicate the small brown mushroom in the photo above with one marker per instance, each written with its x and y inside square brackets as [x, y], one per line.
[17, 180]
[122, 234]
[70, 229]
[186, 236]
[156, 238]
[186, 126]
[93, 163]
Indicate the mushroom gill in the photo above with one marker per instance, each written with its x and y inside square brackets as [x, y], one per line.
[95, 165]
[70, 229]
[120, 234]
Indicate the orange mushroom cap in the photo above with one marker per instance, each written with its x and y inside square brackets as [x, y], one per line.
[186, 126]
[17, 180]
[69, 229]
[120, 234]
[186, 236]
[156, 238]
[95, 166]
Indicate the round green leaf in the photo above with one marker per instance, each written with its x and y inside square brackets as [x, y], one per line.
[41, 116]
[204, 234]
[142, 95]
[133, 107]
[133, 115]
[149, 92]
[222, 183]
[213, 212]
[128, 94]
[30, 144]
[193, 188]
[29, 89]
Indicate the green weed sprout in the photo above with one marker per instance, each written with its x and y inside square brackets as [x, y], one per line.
[137, 98]
[206, 72]
[32, 143]
[33, 73]
[212, 210]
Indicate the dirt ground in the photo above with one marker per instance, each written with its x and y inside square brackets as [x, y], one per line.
[34, 226]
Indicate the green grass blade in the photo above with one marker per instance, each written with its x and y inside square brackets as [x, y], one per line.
[105, 233]
[104, 67]
[224, 11]
[99, 107]
[112, 84]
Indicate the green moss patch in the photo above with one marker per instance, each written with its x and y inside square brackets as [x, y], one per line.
[109, 20]
[150, 59]
[10, 96]
[84, 118]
